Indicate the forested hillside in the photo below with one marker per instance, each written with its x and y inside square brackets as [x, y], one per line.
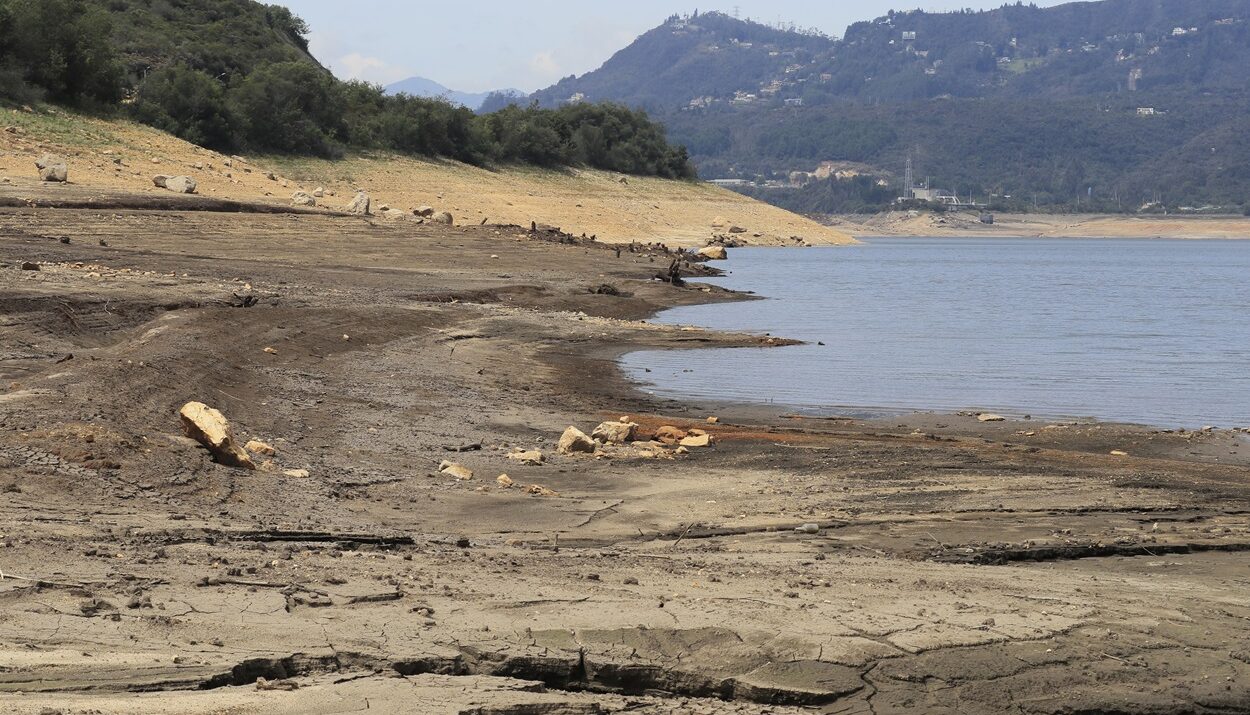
[1109, 105]
[236, 75]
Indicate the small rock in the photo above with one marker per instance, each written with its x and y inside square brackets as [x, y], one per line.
[714, 253]
[262, 448]
[697, 440]
[296, 473]
[423, 211]
[670, 435]
[443, 217]
[504, 481]
[28, 266]
[299, 198]
[531, 457]
[1118, 453]
[454, 469]
[808, 529]
[988, 417]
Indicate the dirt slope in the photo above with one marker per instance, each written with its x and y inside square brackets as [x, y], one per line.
[118, 155]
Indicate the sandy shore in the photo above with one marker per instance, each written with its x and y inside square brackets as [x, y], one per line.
[957, 566]
[1043, 225]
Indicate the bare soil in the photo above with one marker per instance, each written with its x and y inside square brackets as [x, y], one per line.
[959, 567]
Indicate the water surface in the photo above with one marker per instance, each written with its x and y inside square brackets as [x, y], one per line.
[1150, 331]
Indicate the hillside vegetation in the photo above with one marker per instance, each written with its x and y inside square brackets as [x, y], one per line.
[1024, 107]
[235, 75]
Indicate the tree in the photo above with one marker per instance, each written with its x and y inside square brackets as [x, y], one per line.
[62, 47]
[291, 107]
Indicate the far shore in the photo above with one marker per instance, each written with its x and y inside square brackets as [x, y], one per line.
[1042, 225]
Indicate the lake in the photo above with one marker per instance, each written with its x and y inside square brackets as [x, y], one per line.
[1147, 331]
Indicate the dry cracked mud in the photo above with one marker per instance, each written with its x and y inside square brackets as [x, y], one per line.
[960, 567]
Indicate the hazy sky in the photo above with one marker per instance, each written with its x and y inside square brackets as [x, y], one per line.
[481, 45]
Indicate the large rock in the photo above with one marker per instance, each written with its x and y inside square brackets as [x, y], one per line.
[423, 211]
[160, 180]
[615, 432]
[52, 167]
[714, 253]
[359, 205]
[444, 218]
[301, 198]
[574, 440]
[181, 184]
[210, 428]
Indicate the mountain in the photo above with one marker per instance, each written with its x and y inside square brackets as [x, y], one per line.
[422, 87]
[1099, 99]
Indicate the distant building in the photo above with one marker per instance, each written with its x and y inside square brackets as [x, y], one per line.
[729, 183]
[577, 98]
[794, 102]
[1146, 111]
[909, 36]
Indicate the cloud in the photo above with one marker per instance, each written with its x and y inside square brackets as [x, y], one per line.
[371, 69]
[544, 65]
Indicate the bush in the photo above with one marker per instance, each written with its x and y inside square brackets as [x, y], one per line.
[188, 104]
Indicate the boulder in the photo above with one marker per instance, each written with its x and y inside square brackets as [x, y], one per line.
[670, 435]
[988, 417]
[714, 253]
[574, 440]
[423, 211]
[210, 428]
[181, 184]
[531, 457]
[615, 432]
[459, 471]
[359, 205]
[394, 214]
[160, 180]
[444, 218]
[318, 192]
[300, 198]
[52, 167]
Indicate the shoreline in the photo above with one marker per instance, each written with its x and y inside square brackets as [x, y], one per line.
[641, 578]
[968, 225]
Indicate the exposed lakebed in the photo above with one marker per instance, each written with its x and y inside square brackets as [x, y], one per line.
[1149, 331]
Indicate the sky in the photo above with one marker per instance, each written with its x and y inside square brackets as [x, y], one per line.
[484, 45]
